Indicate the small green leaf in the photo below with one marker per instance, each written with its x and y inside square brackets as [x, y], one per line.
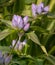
[6, 22]
[52, 50]
[51, 26]
[50, 59]
[4, 34]
[4, 49]
[35, 39]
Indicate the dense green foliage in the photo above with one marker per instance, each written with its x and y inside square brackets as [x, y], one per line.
[40, 48]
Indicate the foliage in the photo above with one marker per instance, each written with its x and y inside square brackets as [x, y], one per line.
[40, 47]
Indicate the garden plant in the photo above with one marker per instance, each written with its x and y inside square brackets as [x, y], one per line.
[27, 32]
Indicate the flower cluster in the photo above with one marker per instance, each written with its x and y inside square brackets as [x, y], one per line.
[5, 58]
[19, 45]
[21, 23]
[39, 9]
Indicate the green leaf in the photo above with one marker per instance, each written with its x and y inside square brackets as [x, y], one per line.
[37, 28]
[52, 50]
[6, 22]
[51, 26]
[4, 33]
[4, 49]
[50, 59]
[35, 39]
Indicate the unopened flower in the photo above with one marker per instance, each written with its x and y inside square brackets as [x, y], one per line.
[25, 19]
[7, 59]
[34, 9]
[19, 45]
[19, 22]
[39, 9]
[26, 27]
[13, 42]
[1, 58]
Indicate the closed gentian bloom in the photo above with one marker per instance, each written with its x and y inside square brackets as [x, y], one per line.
[34, 9]
[14, 20]
[17, 21]
[1, 54]
[25, 19]
[20, 23]
[46, 9]
[17, 44]
[39, 8]
[13, 42]
[20, 46]
[26, 27]
[1, 58]
[8, 59]
[24, 42]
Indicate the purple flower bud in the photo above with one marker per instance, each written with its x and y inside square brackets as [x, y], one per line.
[25, 20]
[8, 59]
[1, 58]
[46, 9]
[17, 45]
[17, 21]
[1, 54]
[39, 8]
[41, 5]
[34, 9]
[14, 20]
[13, 42]
[20, 22]
[20, 46]
[24, 42]
[26, 27]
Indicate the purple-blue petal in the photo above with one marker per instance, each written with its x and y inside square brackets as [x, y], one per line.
[20, 46]
[25, 19]
[14, 21]
[41, 5]
[1, 54]
[13, 42]
[46, 9]
[20, 22]
[26, 27]
[7, 60]
[34, 9]
[24, 42]
[17, 44]
[39, 8]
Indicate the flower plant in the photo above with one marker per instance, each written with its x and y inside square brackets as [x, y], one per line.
[27, 32]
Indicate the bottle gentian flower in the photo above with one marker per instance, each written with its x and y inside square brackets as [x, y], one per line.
[19, 45]
[34, 9]
[39, 9]
[1, 58]
[19, 22]
[7, 58]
